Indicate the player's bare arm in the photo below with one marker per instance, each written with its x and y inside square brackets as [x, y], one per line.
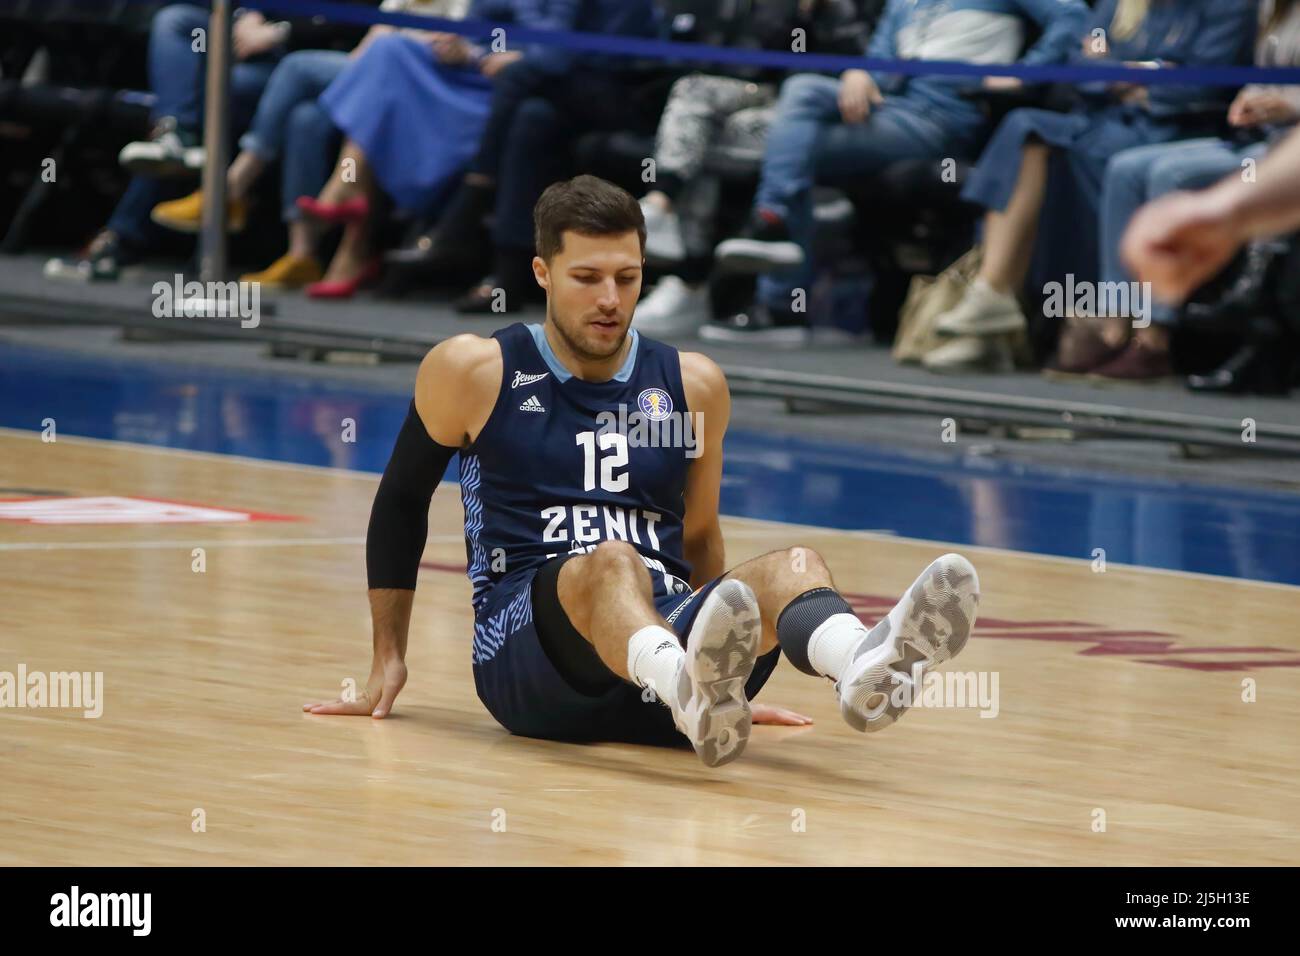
[707, 393]
[455, 389]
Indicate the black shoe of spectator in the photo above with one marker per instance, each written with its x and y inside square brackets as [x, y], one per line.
[491, 296]
[1246, 296]
[759, 325]
[764, 245]
[430, 252]
[100, 261]
[170, 150]
[1252, 368]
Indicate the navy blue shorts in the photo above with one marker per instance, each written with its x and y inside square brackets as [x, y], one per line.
[521, 687]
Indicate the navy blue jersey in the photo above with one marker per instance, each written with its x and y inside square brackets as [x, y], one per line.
[562, 464]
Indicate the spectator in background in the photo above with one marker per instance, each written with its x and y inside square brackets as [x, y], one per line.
[829, 129]
[176, 75]
[714, 111]
[1260, 115]
[1011, 178]
[292, 128]
[539, 103]
[438, 102]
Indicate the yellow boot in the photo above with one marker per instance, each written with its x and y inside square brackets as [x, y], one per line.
[287, 272]
[186, 214]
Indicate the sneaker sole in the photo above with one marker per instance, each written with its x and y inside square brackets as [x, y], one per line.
[720, 653]
[58, 270]
[938, 614]
[750, 255]
[787, 337]
[155, 168]
[1007, 323]
[1000, 365]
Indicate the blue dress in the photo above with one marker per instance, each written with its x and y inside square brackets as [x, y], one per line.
[418, 121]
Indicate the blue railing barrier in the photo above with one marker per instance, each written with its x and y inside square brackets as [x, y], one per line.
[806, 62]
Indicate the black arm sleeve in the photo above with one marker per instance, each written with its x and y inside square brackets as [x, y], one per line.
[399, 518]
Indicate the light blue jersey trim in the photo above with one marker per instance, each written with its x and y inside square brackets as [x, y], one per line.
[562, 374]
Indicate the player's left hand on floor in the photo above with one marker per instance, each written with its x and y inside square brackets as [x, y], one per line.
[768, 714]
[386, 681]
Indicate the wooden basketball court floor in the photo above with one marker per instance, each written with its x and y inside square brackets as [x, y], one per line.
[1121, 737]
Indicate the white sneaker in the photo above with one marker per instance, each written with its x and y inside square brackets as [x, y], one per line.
[663, 233]
[164, 153]
[747, 255]
[673, 308]
[711, 708]
[982, 311]
[928, 626]
[971, 353]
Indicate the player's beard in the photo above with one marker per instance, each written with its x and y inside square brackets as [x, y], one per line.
[578, 341]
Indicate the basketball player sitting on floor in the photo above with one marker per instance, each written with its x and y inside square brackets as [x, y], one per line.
[591, 512]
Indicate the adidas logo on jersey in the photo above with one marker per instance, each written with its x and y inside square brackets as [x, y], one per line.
[522, 379]
[531, 404]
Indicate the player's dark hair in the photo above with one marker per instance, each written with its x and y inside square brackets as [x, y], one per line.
[587, 205]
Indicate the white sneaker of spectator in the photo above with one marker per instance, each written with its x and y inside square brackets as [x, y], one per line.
[169, 151]
[663, 233]
[673, 308]
[982, 311]
[971, 353]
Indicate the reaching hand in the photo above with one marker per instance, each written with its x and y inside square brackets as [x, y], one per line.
[1180, 241]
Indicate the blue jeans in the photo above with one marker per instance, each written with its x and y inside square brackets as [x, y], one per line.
[176, 71]
[291, 127]
[310, 145]
[1138, 175]
[176, 75]
[809, 143]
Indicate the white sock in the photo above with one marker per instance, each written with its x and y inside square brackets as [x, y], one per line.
[830, 645]
[653, 657]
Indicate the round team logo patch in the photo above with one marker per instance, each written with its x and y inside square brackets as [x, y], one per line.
[655, 404]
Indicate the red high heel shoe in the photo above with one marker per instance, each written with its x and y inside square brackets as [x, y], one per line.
[349, 210]
[345, 288]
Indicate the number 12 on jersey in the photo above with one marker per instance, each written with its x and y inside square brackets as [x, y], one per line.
[608, 462]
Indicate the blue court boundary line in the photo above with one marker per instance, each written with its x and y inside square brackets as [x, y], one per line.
[802, 62]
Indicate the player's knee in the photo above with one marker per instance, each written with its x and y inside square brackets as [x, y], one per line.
[800, 560]
[615, 558]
